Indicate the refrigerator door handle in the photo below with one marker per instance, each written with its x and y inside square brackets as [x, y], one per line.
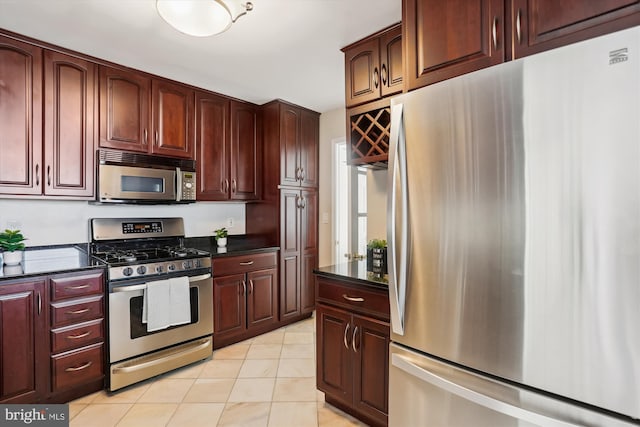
[403, 363]
[398, 245]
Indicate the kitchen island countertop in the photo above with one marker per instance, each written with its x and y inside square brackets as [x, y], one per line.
[355, 271]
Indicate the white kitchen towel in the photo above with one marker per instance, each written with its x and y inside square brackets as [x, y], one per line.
[156, 307]
[180, 301]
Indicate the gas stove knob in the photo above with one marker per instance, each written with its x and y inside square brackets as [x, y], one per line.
[197, 263]
[127, 271]
[186, 265]
[142, 269]
[171, 267]
[159, 269]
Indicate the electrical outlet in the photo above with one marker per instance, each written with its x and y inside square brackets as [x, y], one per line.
[229, 222]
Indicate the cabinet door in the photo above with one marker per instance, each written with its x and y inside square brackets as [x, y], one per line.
[69, 141]
[289, 253]
[212, 146]
[173, 119]
[362, 72]
[309, 247]
[20, 117]
[289, 145]
[370, 345]
[262, 295]
[391, 61]
[545, 24]
[449, 38]
[229, 307]
[309, 144]
[125, 120]
[245, 152]
[23, 349]
[334, 330]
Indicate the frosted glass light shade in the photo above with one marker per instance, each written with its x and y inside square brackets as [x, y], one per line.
[201, 18]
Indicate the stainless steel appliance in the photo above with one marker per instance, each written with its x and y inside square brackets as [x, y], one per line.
[514, 243]
[139, 178]
[139, 252]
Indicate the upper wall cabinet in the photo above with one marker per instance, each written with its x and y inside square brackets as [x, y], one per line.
[444, 39]
[540, 25]
[147, 115]
[373, 67]
[227, 148]
[61, 163]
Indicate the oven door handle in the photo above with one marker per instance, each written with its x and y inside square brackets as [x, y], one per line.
[144, 285]
[198, 345]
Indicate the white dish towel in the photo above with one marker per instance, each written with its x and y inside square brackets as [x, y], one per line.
[166, 303]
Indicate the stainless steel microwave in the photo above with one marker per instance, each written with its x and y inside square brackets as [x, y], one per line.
[125, 177]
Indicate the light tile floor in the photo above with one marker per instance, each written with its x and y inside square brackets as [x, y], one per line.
[266, 381]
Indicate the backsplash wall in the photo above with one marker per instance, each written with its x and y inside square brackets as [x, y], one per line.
[53, 222]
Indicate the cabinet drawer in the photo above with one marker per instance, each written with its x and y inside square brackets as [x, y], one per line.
[241, 264]
[77, 310]
[75, 286]
[353, 298]
[78, 367]
[76, 336]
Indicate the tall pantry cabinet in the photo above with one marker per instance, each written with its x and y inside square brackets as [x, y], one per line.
[287, 216]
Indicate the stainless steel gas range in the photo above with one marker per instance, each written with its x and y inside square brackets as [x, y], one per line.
[151, 276]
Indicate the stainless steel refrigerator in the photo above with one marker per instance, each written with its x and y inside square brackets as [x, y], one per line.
[514, 243]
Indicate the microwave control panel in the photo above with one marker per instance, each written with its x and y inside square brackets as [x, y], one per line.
[188, 185]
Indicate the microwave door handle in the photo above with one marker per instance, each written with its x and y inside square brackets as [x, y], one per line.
[178, 185]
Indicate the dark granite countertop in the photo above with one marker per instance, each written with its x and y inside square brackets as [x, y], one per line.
[354, 271]
[236, 245]
[50, 260]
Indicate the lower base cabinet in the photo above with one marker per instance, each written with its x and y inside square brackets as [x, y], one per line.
[352, 334]
[51, 357]
[245, 297]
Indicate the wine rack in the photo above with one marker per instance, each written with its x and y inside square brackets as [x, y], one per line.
[369, 133]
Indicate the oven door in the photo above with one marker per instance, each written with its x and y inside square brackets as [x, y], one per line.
[128, 336]
[126, 183]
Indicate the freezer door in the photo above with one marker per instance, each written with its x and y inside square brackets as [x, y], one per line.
[426, 392]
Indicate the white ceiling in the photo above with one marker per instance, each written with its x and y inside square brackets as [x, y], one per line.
[287, 49]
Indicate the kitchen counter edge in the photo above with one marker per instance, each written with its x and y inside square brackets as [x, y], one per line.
[354, 272]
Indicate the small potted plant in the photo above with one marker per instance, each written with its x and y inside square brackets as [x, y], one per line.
[12, 246]
[377, 257]
[221, 236]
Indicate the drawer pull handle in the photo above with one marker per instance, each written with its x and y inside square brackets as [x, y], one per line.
[84, 310]
[247, 263]
[75, 288]
[353, 339]
[79, 368]
[352, 299]
[75, 337]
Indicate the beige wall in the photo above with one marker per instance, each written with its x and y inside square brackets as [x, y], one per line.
[332, 127]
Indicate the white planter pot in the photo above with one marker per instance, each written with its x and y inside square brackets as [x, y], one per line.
[222, 242]
[12, 258]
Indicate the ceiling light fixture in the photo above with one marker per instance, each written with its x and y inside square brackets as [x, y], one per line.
[202, 18]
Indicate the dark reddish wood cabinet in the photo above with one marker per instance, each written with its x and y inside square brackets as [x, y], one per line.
[23, 344]
[539, 25]
[52, 337]
[352, 344]
[450, 38]
[57, 160]
[447, 39]
[138, 113]
[69, 131]
[227, 148]
[373, 67]
[287, 216]
[245, 296]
